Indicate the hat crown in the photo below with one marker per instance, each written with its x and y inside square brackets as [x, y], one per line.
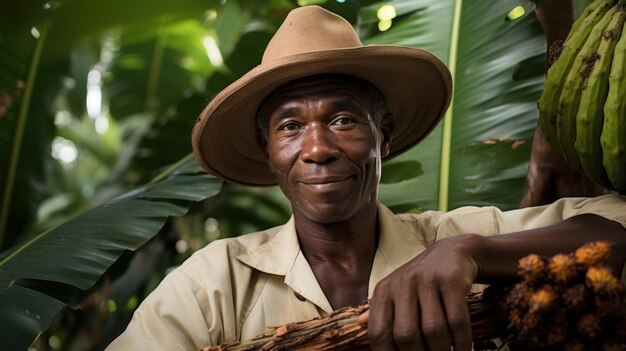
[309, 29]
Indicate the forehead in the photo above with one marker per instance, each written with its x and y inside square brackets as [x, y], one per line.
[318, 87]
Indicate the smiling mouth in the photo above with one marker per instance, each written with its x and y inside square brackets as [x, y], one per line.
[325, 180]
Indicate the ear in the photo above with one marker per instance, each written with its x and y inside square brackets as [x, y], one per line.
[386, 130]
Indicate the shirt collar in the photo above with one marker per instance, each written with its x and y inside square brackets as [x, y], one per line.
[397, 244]
[281, 255]
[277, 255]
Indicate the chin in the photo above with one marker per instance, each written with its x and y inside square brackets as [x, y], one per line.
[329, 213]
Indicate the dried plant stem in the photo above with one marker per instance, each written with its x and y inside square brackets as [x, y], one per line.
[340, 330]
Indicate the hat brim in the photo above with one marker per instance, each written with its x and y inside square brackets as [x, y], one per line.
[416, 85]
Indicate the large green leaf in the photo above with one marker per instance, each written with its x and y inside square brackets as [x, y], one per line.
[14, 69]
[75, 19]
[78, 252]
[33, 68]
[493, 171]
[70, 33]
[482, 50]
[26, 130]
[242, 29]
[151, 70]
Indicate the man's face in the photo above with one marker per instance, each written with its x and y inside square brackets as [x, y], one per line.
[325, 148]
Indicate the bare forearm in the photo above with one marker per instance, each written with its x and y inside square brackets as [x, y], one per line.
[497, 256]
[423, 302]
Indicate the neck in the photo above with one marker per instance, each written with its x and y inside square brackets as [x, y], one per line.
[346, 243]
[341, 254]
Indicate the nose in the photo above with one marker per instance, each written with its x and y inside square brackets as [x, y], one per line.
[318, 145]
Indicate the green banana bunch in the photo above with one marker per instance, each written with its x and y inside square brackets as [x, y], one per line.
[590, 117]
[582, 109]
[613, 137]
[569, 99]
[549, 101]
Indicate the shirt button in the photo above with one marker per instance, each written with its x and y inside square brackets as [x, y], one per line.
[299, 297]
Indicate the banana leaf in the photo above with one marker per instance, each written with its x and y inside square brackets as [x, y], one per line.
[181, 108]
[483, 51]
[151, 70]
[76, 253]
[52, 62]
[26, 129]
[76, 19]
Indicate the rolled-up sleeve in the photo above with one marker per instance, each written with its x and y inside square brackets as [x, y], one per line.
[611, 207]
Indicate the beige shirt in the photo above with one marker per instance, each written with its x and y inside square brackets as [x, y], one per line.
[234, 288]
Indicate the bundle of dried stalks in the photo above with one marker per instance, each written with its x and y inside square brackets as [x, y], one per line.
[340, 330]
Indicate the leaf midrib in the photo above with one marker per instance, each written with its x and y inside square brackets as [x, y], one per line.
[446, 139]
[19, 132]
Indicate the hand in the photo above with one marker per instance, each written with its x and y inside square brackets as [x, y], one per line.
[422, 304]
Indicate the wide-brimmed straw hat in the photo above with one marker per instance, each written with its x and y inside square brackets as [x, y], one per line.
[416, 85]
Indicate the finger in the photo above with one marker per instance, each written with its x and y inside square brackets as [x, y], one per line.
[457, 314]
[364, 318]
[433, 322]
[380, 320]
[406, 329]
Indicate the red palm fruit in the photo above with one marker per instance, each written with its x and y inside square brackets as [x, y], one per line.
[574, 346]
[575, 297]
[531, 267]
[589, 325]
[593, 253]
[613, 346]
[562, 268]
[602, 280]
[542, 300]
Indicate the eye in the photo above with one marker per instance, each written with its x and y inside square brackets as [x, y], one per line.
[289, 126]
[343, 121]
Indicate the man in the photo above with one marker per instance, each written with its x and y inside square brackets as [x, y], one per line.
[317, 117]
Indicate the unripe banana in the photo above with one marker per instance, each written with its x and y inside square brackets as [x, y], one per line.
[570, 95]
[548, 103]
[586, 13]
[590, 117]
[613, 137]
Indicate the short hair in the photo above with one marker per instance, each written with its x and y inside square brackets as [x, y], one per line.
[378, 105]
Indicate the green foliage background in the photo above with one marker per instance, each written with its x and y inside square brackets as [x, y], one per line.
[98, 233]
